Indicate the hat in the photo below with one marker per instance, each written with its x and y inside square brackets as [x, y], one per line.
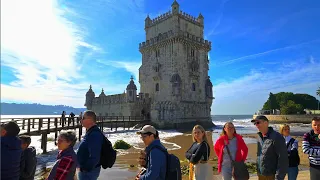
[263, 118]
[12, 128]
[147, 129]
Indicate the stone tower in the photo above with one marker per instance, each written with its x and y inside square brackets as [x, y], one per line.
[89, 98]
[174, 70]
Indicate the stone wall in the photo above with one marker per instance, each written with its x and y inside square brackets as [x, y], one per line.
[289, 118]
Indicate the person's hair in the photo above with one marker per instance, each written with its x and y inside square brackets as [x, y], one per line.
[12, 128]
[202, 130]
[315, 119]
[282, 126]
[223, 133]
[90, 114]
[69, 136]
[25, 139]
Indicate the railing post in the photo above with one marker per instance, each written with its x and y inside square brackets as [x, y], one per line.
[32, 123]
[111, 122]
[124, 123]
[44, 139]
[28, 130]
[129, 123]
[23, 123]
[117, 123]
[40, 125]
[56, 130]
[48, 130]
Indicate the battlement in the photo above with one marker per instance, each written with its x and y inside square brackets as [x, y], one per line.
[170, 34]
[190, 18]
[159, 19]
[167, 15]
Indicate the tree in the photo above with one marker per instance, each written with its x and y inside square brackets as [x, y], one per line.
[318, 91]
[290, 103]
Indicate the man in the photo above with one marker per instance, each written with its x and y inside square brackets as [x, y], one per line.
[10, 151]
[28, 161]
[156, 159]
[311, 146]
[89, 151]
[272, 160]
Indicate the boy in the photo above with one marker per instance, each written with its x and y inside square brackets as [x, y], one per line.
[311, 146]
[28, 159]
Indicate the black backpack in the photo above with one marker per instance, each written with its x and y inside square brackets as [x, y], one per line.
[173, 171]
[294, 159]
[108, 154]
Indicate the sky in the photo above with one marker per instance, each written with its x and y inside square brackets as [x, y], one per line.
[52, 50]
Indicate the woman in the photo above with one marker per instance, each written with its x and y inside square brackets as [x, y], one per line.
[292, 148]
[65, 166]
[237, 147]
[198, 156]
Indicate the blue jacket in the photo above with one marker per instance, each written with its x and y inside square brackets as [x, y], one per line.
[28, 164]
[10, 158]
[156, 162]
[89, 151]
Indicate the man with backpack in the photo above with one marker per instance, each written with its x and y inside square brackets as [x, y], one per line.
[89, 151]
[156, 160]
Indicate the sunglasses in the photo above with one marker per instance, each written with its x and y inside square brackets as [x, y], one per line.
[257, 122]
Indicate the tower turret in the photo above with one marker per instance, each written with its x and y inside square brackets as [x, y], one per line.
[200, 19]
[89, 98]
[175, 7]
[208, 88]
[147, 22]
[131, 91]
[102, 93]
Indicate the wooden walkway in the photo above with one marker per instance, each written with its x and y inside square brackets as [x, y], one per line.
[45, 125]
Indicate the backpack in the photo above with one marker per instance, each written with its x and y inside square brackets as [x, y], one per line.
[294, 159]
[108, 154]
[173, 169]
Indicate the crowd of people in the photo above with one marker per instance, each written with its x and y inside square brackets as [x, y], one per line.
[277, 153]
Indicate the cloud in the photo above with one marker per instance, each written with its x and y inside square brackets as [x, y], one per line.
[246, 94]
[251, 56]
[41, 47]
[213, 31]
[50, 49]
[132, 67]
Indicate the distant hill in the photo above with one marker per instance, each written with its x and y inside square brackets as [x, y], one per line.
[37, 109]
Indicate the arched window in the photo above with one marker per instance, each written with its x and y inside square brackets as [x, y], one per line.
[157, 87]
[193, 87]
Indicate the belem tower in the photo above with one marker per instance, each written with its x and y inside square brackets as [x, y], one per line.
[175, 88]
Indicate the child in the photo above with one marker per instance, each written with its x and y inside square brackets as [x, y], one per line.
[28, 159]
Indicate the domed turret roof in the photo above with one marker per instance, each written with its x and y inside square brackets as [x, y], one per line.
[131, 85]
[102, 93]
[90, 92]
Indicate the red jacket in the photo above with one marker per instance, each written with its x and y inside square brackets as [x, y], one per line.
[242, 149]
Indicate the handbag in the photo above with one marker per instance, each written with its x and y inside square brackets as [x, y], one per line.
[239, 169]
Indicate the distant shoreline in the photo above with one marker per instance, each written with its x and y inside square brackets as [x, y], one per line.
[298, 118]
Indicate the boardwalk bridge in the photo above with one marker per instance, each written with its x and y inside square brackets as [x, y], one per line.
[45, 125]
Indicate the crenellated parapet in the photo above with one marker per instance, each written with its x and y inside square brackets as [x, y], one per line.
[169, 36]
[192, 19]
[110, 99]
[158, 19]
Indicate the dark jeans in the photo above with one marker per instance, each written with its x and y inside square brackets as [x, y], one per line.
[314, 173]
[91, 175]
[293, 173]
